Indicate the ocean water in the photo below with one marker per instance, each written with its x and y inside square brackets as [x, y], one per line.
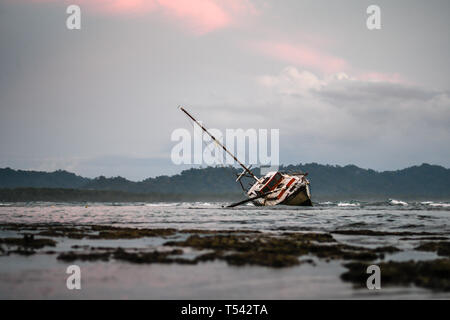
[389, 215]
[42, 276]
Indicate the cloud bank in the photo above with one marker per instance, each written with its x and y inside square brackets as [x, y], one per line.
[372, 117]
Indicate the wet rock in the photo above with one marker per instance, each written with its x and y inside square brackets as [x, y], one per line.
[342, 251]
[18, 226]
[424, 238]
[83, 256]
[28, 241]
[201, 231]
[76, 246]
[210, 256]
[22, 252]
[386, 249]
[121, 254]
[363, 232]
[63, 231]
[442, 248]
[149, 257]
[276, 251]
[216, 242]
[107, 248]
[106, 232]
[89, 231]
[433, 274]
[318, 237]
[309, 261]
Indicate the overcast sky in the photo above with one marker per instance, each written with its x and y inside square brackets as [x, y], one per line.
[103, 100]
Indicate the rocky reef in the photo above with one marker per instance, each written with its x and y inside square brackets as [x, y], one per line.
[238, 248]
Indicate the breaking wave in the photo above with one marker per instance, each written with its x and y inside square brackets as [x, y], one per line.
[162, 204]
[440, 204]
[348, 204]
[398, 202]
[436, 204]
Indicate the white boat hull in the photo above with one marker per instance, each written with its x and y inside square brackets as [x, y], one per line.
[300, 196]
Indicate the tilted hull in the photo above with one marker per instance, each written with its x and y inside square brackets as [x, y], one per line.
[300, 196]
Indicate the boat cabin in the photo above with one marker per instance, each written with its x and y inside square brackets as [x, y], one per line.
[270, 182]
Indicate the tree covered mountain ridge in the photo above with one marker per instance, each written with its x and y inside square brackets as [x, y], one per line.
[326, 180]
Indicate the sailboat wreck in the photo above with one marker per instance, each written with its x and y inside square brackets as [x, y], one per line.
[275, 188]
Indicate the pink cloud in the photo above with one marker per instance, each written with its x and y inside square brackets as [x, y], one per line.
[382, 77]
[107, 6]
[308, 57]
[202, 15]
[303, 55]
[198, 16]
[122, 6]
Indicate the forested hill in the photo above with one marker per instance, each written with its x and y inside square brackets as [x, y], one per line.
[330, 181]
[10, 178]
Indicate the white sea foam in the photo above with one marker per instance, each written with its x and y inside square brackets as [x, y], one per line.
[161, 204]
[326, 203]
[204, 203]
[348, 204]
[443, 205]
[398, 202]
[436, 204]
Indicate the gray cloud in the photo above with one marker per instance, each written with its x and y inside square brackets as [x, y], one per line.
[365, 122]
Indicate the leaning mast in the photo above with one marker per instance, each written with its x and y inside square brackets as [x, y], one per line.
[220, 144]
